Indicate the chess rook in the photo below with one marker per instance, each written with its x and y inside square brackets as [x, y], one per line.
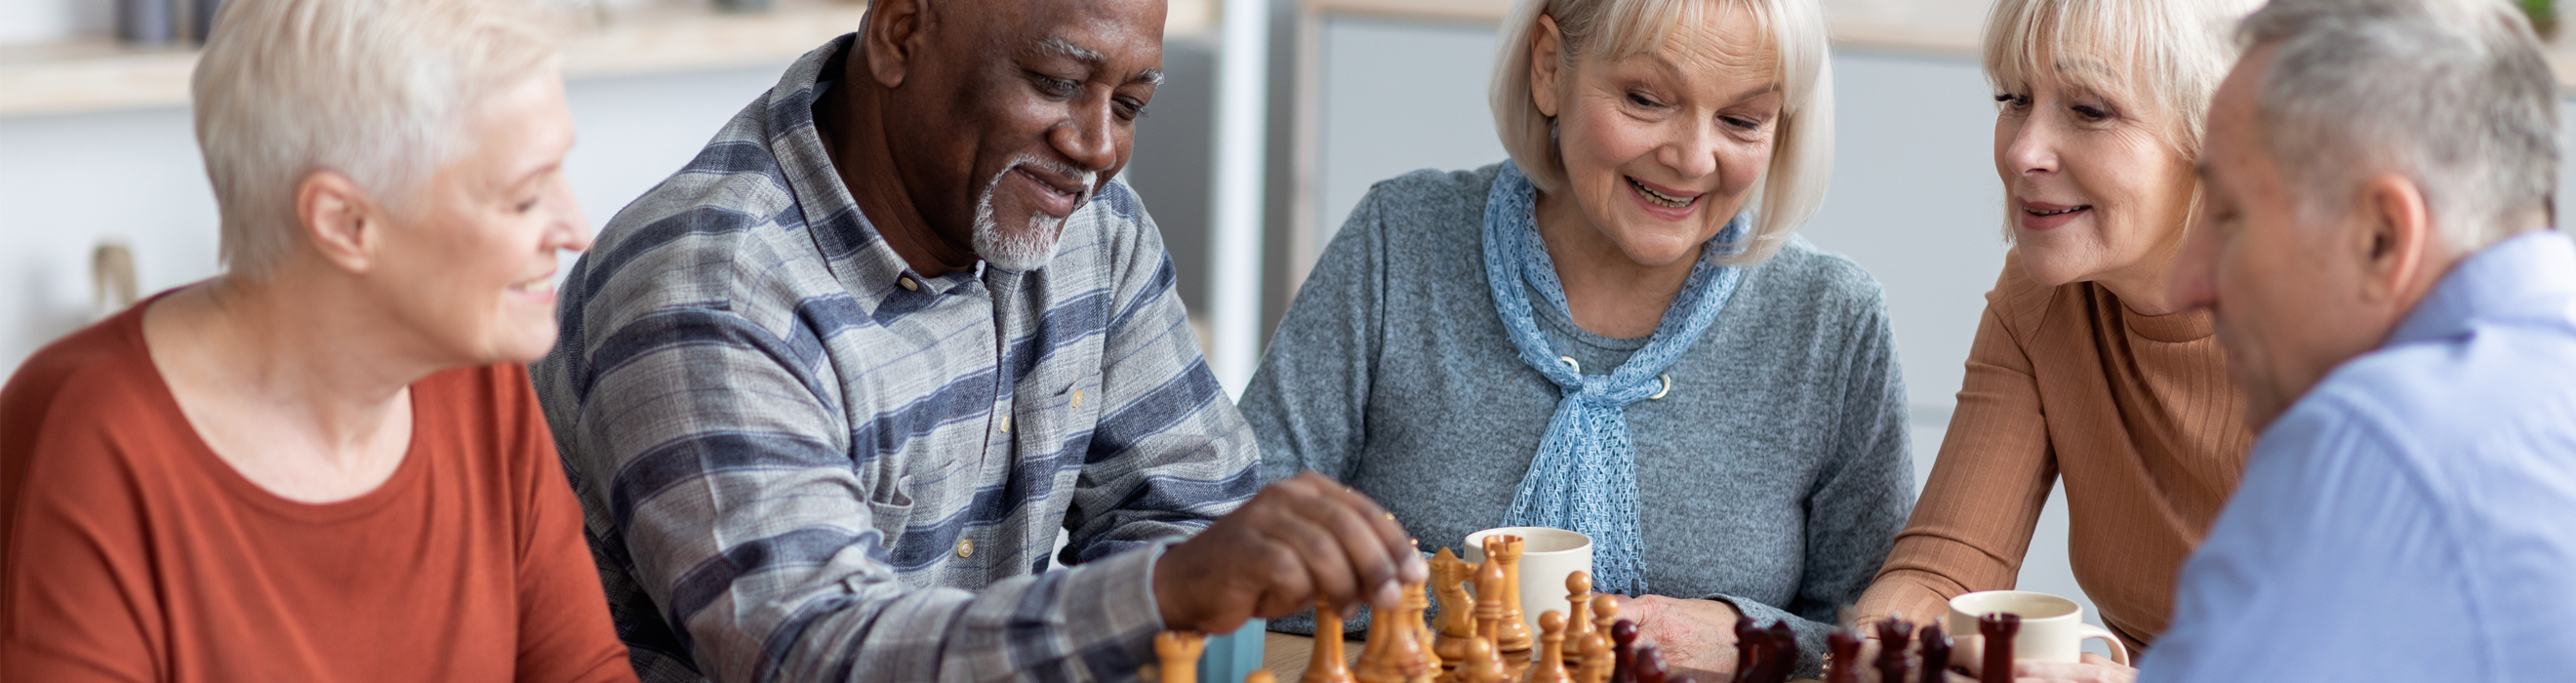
[1999, 629]
[1843, 666]
[1514, 636]
[1894, 634]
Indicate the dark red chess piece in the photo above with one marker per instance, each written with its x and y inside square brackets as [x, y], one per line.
[1999, 629]
[1845, 666]
[1623, 652]
[1650, 665]
[1748, 642]
[1936, 654]
[1893, 637]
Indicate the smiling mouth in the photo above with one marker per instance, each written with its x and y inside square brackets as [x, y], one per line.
[540, 285]
[1658, 198]
[2059, 212]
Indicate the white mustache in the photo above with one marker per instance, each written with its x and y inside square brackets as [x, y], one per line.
[1088, 179]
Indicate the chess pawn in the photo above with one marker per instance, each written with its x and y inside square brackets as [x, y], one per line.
[1605, 611]
[1999, 629]
[1595, 667]
[1259, 675]
[1483, 664]
[1178, 651]
[1894, 634]
[1936, 654]
[1844, 664]
[1623, 652]
[1514, 636]
[1449, 576]
[1549, 665]
[1578, 597]
[1328, 664]
[1650, 665]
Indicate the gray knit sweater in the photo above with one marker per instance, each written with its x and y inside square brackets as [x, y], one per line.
[1774, 474]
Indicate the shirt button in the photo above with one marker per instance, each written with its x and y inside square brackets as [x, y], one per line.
[908, 284]
[966, 548]
[1077, 398]
[1006, 423]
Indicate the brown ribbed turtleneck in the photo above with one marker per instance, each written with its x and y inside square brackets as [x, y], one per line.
[2135, 411]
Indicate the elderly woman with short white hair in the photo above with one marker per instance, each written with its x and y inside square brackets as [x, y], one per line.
[326, 463]
[1617, 331]
[2083, 366]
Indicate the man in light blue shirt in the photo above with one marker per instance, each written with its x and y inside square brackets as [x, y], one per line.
[2377, 189]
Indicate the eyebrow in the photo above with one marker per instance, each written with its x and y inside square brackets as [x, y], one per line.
[1093, 58]
[1671, 68]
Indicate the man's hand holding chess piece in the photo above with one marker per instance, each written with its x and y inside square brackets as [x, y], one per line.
[1300, 540]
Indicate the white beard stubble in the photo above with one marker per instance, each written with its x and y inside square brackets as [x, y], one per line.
[1032, 246]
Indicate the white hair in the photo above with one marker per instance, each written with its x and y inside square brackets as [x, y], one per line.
[1802, 151]
[2167, 56]
[2452, 94]
[371, 89]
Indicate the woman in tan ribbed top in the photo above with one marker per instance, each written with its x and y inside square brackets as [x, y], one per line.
[2080, 367]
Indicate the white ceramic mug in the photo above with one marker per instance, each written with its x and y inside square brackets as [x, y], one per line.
[2052, 628]
[1547, 556]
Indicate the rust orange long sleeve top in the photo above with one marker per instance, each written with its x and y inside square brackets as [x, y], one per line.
[2135, 412]
[130, 552]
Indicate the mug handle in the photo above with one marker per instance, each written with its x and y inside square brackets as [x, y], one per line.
[2119, 650]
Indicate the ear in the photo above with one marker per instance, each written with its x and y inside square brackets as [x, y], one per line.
[2395, 235]
[891, 37]
[340, 221]
[1546, 67]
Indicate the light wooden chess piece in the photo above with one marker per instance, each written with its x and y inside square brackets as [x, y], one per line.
[1483, 664]
[1490, 584]
[1578, 597]
[1328, 665]
[1549, 666]
[1514, 635]
[1179, 653]
[1449, 576]
[1259, 675]
[1392, 654]
[1597, 660]
[1603, 659]
[1426, 666]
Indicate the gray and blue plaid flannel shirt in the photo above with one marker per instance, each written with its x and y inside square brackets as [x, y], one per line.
[800, 460]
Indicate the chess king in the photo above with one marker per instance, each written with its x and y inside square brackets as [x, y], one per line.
[831, 393]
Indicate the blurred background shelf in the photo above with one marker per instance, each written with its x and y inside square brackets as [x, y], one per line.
[98, 74]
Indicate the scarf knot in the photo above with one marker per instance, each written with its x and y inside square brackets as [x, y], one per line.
[1584, 477]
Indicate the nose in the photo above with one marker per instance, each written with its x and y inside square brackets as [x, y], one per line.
[2031, 149]
[2193, 284]
[1693, 150]
[571, 230]
[1089, 135]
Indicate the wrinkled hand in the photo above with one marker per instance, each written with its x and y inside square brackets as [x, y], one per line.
[2094, 669]
[1967, 652]
[1301, 539]
[1695, 637]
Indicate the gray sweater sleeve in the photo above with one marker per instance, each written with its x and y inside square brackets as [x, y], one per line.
[1860, 501]
[1308, 399]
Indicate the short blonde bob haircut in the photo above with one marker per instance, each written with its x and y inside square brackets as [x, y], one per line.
[1802, 148]
[371, 89]
[2167, 56]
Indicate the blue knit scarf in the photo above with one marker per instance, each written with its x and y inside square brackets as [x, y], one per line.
[1585, 475]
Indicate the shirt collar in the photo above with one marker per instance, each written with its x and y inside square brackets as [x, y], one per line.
[2529, 277]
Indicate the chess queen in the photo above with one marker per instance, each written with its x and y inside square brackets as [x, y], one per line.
[1617, 330]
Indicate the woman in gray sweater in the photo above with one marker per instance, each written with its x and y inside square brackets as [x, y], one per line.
[1616, 332]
